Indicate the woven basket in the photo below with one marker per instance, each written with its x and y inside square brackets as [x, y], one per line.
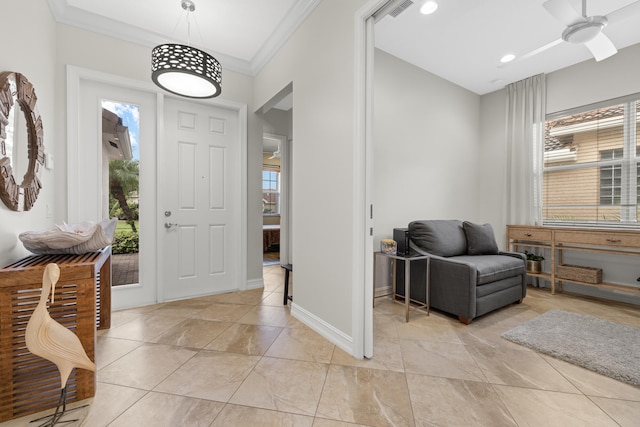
[580, 273]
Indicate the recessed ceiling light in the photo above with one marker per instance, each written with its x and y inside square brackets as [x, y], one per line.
[507, 58]
[428, 8]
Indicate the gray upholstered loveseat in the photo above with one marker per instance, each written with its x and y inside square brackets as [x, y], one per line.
[469, 276]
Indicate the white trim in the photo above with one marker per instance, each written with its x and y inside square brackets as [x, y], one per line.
[289, 25]
[68, 14]
[362, 292]
[328, 331]
[255, 284]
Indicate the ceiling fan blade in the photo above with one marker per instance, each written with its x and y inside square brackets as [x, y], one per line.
[540, 49]
[563, 12]
[601, 47]
[630, 11]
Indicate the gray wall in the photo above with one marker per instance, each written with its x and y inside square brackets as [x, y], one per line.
[320, 63]
[29, 47]
[426, 147]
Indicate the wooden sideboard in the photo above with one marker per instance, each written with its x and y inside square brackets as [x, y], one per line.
[82, 303]
[561, 239]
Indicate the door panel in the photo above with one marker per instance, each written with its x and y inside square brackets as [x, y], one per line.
[202, 174]
[88, 176]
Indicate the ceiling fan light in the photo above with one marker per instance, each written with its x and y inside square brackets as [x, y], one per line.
[585, 31]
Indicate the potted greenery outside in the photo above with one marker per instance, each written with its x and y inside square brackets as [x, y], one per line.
[534, 262]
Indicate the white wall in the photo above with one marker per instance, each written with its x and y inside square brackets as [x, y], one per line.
[29, 48]
[575, 86]
[426, 147]
[319, 60]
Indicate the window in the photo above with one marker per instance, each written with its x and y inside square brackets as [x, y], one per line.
[270, 192]
[591, 166]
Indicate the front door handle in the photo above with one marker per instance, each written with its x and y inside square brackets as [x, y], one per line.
[169, 225]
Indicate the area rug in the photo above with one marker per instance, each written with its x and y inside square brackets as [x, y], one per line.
[605, 347]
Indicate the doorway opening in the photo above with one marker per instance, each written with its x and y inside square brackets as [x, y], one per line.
[121, 159]
[271, 199]
[277, 168]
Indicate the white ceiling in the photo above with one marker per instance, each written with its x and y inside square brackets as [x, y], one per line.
[462, 42]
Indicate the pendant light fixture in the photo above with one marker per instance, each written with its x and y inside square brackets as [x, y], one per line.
[185, 70]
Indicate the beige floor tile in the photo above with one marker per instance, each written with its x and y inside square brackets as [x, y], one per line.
[274, 299]
[521, 368]
[175, 310]
[448, 402]
[550, 408]
[266, 315]
[283, 385]
[194, 333]
[250, 297]
[167, 410]
[387, 355]
[119, 318]
[245, 339]
[432, 328]
[440, 359]
[624, 412]
[323, 422]
[594, 384]
[146, 366]
[209, 375]
[223, 312]
[384, 326]
[109, 402]
[242, 416]
[302, 344]
[109, 349]
[144, 328]
[366, 396]
[74, 418]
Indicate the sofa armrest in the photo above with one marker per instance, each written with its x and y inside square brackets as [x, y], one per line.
[453, 286]
[514, 254]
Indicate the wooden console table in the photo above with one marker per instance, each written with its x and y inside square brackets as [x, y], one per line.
[82, 303]
[560, 239]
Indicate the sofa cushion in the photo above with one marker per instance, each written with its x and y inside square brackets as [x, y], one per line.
[480, 239]
[494, 267]
[438, 237]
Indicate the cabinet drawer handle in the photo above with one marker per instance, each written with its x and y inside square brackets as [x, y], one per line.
[614, 240]
[528, 234]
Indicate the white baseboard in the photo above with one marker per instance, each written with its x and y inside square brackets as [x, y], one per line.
[382, 291]
[255, 284]
[328, 331]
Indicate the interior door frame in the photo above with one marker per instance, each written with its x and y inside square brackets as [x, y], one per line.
[74, 76]
[362, 320]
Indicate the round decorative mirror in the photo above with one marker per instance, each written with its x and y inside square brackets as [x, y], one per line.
[21, 147]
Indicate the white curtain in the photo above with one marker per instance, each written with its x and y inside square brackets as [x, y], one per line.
[526, 109]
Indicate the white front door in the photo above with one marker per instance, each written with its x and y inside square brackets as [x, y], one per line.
[200, 200]
[87, 174]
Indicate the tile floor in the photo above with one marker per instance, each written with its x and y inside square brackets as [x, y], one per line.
[240, 359]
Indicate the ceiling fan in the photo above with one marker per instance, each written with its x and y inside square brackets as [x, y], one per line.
[584, 29]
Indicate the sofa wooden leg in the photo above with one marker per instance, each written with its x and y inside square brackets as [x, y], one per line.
[519, 301]
[464, 320]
